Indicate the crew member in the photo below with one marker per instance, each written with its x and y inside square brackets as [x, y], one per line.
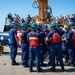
[34, 40]
[71, 43]
[24, 44]
[55, 37]
[13, 43]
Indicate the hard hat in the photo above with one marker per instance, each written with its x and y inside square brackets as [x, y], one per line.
[53, 24]
[39, 25]
[23, 24]
[34, 25]
[13, 24]
[45, 26]
[71, 23]
[65, 26]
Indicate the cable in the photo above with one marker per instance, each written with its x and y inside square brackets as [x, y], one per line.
[35, 5]
[49, 10]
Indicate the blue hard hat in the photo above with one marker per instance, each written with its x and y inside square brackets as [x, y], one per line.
[71, 23]
[45, 26]
[13, 24]
[39, 25]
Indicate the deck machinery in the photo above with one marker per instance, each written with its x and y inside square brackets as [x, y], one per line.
[45, 11]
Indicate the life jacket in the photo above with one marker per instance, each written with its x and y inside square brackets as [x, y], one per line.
[33, 39]
[56, 38]
[73, 36]
[19, 46]
[19, 36]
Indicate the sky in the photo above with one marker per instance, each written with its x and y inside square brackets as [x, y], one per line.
[24, 7]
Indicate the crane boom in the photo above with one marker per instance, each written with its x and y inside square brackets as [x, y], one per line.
[43, 7]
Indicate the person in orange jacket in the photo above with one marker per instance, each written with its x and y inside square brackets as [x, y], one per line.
[55, 38]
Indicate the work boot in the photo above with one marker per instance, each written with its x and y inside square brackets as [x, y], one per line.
[40, 70]
[14, 63]
[73, 65]
[25, 64]
[70, 64]
[62, 69]
[30, 69]
[53, 69]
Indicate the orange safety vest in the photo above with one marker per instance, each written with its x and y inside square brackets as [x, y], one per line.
[73, 37]
[19, 46]
[19, 36]
[34, 40]
[56, 38]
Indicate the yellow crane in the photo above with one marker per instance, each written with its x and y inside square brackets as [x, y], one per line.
[45, 11]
